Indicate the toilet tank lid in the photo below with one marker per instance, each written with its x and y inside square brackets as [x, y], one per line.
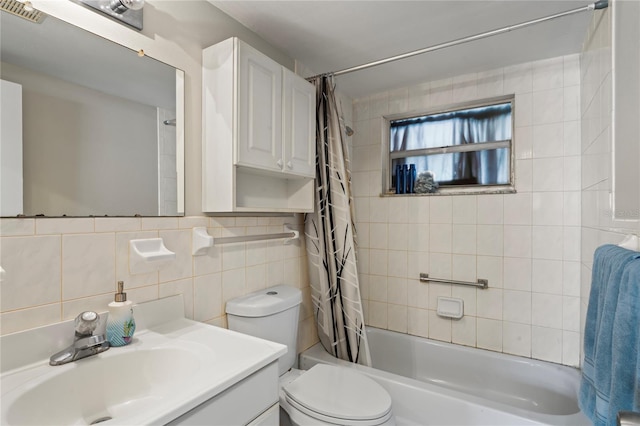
[265, 302]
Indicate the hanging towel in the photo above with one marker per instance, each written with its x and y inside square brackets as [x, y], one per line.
[625, 376]
[609, 265]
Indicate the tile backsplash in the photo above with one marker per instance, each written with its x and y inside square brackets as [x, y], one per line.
[526, 244]
[55, 268]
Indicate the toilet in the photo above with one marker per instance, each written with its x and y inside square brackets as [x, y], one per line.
[322, 395]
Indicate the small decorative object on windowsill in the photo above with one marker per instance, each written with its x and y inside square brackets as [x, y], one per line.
[426, 184]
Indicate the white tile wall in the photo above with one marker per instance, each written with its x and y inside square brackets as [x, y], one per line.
[527, 244]
[56, 268]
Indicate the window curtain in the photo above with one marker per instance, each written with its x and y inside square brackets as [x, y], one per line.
[330, 238]
[486, 124]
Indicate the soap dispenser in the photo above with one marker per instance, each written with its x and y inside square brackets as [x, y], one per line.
[120, 325]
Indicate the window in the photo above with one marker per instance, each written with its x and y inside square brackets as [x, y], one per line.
[463, 149]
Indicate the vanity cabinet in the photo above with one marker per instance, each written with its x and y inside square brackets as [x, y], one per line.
[252, 401]
[258, 133]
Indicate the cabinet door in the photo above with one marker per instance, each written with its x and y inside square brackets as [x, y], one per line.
[259, 110]
[299, 125]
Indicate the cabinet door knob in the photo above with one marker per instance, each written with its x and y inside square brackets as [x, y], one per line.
[279, 163]
[289, 165]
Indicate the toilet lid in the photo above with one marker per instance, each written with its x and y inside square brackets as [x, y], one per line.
[339, 392]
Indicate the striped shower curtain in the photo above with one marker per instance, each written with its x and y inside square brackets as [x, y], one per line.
[330, 238]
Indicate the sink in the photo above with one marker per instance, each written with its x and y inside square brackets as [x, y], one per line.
[102, 388]
[171, 367]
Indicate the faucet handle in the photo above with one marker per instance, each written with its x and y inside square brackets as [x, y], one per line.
[86, 323]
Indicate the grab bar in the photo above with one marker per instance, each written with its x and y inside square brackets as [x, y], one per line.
[481, 283]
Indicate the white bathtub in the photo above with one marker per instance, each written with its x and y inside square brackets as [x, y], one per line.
[435, 383]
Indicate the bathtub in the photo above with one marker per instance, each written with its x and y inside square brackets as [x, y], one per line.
[436, 383]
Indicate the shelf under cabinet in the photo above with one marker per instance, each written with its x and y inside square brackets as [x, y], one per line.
[262, 191]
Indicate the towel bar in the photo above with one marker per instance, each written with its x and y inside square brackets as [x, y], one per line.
[202, 241]
[291, 235]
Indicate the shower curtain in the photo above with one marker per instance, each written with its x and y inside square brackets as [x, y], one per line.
[330, 238]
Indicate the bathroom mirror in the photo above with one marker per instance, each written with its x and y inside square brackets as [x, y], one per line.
[89, 127]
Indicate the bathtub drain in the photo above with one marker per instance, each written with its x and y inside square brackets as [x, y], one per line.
[100, 420]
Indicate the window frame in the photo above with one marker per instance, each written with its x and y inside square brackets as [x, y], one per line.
[388, 156]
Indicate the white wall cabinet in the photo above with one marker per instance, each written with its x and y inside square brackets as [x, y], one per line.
[299, 125]
[259, 110]
[258, 133]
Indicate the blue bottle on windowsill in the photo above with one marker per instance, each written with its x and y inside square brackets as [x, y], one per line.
[400, 185]
[405, 179]
[411, 178]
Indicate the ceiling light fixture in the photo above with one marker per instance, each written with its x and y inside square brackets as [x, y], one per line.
[121, 6]
[128, 12]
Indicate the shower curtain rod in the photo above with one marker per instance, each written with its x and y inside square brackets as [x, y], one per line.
[602, 4]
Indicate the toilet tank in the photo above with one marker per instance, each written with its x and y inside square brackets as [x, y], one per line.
[270, 314]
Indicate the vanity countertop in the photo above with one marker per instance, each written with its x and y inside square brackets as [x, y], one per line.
[172, 366]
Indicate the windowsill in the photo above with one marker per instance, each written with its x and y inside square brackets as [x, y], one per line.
[458, 191]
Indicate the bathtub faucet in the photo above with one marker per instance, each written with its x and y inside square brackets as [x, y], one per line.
[85, 343]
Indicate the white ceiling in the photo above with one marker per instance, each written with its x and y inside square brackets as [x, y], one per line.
[329, 36]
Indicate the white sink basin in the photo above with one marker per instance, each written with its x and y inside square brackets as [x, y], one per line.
[168, 370]
[101, 388]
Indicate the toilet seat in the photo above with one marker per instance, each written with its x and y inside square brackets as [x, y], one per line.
[339, 395]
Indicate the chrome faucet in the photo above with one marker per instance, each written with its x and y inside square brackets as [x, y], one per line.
[85, 343]
[628, 418]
